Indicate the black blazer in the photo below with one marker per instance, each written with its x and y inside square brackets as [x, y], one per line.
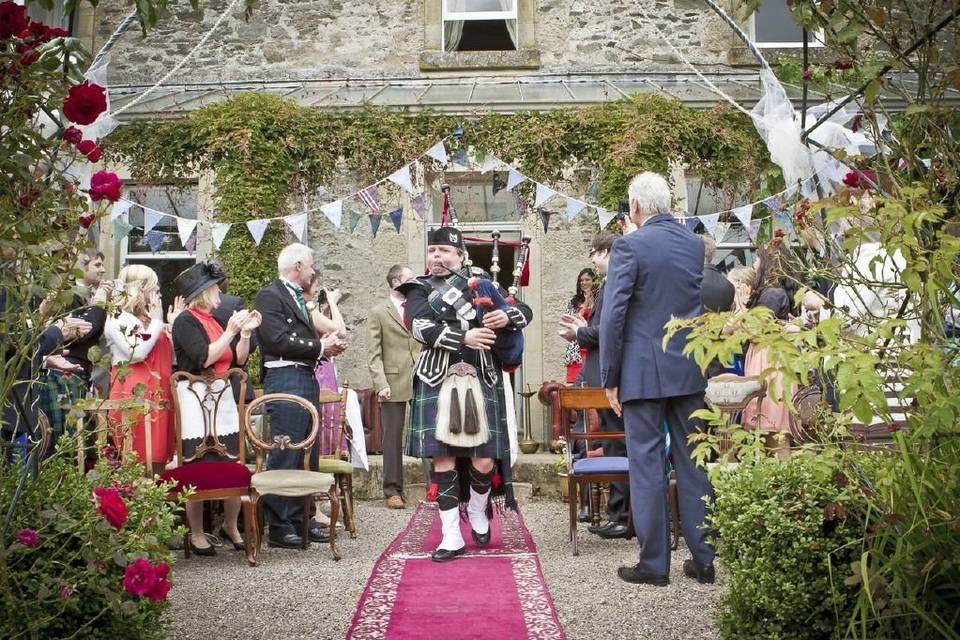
[77, 352]
[716, 291]
[229, 304]
[588, 338]
[284, 332]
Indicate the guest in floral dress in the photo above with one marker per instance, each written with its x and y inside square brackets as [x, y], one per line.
[580, 304]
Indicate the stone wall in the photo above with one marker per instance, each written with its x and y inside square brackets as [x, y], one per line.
[297, 39]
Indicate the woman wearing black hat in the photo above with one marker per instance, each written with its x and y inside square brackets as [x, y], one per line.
[202, 343]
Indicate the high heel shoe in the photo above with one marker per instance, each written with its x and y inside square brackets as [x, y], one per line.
[201, 551]
[238, 546]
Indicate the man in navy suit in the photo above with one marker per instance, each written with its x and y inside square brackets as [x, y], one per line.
[654, 275]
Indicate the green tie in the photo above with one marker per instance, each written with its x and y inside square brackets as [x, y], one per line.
[298, 293]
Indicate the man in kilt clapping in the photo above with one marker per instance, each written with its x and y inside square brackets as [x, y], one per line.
[457, 414]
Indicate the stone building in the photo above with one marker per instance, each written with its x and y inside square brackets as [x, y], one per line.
[458, 56]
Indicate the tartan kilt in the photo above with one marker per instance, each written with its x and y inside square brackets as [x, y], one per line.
[422, 441]
[57, 393]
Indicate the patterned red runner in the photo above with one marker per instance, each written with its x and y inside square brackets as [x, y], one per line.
[493, 592]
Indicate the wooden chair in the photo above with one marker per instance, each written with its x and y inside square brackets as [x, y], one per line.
[97, 410]
[289, 483]
[333, 451]
[212, 471]
[729, 394]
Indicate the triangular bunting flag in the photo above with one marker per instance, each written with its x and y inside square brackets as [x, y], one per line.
[489, 164]
[605, 217]
[545, 218]
[370, 197]
[460, 157]
[722, 229]
[774, 204]
[785, 221]
[185, 227]
[150, 219]
[514, 179]
[396, 217]
[257, 228]
[297, 224]
[438, 152]
[710, 222]
[334, 212]
[808, 189]
[419, 205]
[574, 207]
[119, 208]
[219, 232]
[498, 183]
[374, 223]
[692, 223]
[401, 178]
[155, 240]
[544, 193]
[352, 219]
[744, 214]
[120, 229]
[790, 192]
[754, 229]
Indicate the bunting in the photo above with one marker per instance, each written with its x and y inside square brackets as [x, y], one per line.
[753, 229]
[722, 229]
[401, 178]
[151, 218]
[185, 227]
[514, 179]
[120, 229]
[438, 152]
[691, 223]
[119, 208]
[334, 212]
[353, 218]
[419, 205]
[744, 214]
[545, 218]
[574, 207]
[374, 223]
[785, 221]
[257, 228]
[155, 240]
[219, 232]
[544, 193]
[710, 223]
[396, 217]
[297, 223]
[370, 197]
[605, 217]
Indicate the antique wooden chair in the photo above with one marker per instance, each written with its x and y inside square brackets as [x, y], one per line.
[333, 451]
[97, 411]
[289, 483]
[212, 470]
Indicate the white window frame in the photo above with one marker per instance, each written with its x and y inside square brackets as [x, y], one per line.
[446, 15]
[816, 38]
[126, 254]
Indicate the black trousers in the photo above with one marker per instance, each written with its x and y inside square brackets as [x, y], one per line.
[284, 515]
[618, 505]
[393, 420]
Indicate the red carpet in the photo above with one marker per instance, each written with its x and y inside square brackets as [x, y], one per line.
[493, 592]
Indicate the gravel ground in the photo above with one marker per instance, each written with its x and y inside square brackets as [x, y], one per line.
[305, 594]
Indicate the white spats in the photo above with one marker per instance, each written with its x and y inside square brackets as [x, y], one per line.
[477, 511]
[450, 526]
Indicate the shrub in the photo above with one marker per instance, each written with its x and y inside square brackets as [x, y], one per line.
[85, 555]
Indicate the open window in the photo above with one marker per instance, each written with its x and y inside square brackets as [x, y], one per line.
[479, 25]
[773, 26]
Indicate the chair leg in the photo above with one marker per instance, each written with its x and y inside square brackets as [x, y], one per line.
[249, 528]
[305, 527]
[349, 501]
[573, 502]
[334, 514]
[257, 531]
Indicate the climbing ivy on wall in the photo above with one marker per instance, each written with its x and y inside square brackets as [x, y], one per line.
[264, 150]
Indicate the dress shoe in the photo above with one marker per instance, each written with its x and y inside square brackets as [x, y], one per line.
[597, 528]
[285, 540]
[618, 530]
[704, 574]
[635, 575]
[584, 515]
[395, 502]
[239, 546]
[444, 555]
[201, 551]
[482, 539]
[316, 534]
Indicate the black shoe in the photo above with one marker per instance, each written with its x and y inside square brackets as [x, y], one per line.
[316, 534]
[597, 528]
[238, 546]
[618, 530]
[704, 574]
[634, 575]
[285, 540]
[584, 515]
[201, 551]
[443, 555]
[482, 539]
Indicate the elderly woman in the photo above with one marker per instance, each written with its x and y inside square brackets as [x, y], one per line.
[202, 343]
[142, 358]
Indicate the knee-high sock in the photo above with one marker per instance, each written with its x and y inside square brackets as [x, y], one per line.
[447, 489]
[449, 504]
[479, 498]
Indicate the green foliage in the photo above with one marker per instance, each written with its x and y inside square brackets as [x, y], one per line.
[785, 530]
[265, 151]
[71, 583]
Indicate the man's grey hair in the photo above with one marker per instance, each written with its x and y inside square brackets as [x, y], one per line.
[291, 254]
[652, 192]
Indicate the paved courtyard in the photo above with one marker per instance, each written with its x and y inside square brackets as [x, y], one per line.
[297, 594]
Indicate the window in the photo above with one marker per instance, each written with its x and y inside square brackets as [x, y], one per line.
[171, 256]
[774, 26]
[479, 25]
[55, 16]
[473, 197]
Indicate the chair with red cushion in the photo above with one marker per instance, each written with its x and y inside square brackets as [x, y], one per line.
[212, 471]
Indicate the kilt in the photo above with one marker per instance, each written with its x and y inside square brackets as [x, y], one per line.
[422, 441]
[57, 394]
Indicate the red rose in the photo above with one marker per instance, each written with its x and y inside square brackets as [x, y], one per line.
[65, 592]
[105, 186]
[852, 179]
[28, 538]
[95, 154]
[13, 19]
[85, 221]
[72, 135]
[85, 102]
[139, 578]
[842, 65]
[86, 146]
[111, 506]
[162, 588]
[807, 74]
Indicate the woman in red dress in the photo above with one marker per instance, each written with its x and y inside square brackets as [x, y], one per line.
[582, 305]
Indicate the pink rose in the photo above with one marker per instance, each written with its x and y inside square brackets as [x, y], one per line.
[105, 186]
[852, 179]
[72, 135]
[139, 578]
[111, 506]
[65, 592]
[28, 538]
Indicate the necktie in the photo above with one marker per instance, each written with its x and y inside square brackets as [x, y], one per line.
[298, 294]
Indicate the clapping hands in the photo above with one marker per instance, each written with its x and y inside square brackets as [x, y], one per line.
[175, 309]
